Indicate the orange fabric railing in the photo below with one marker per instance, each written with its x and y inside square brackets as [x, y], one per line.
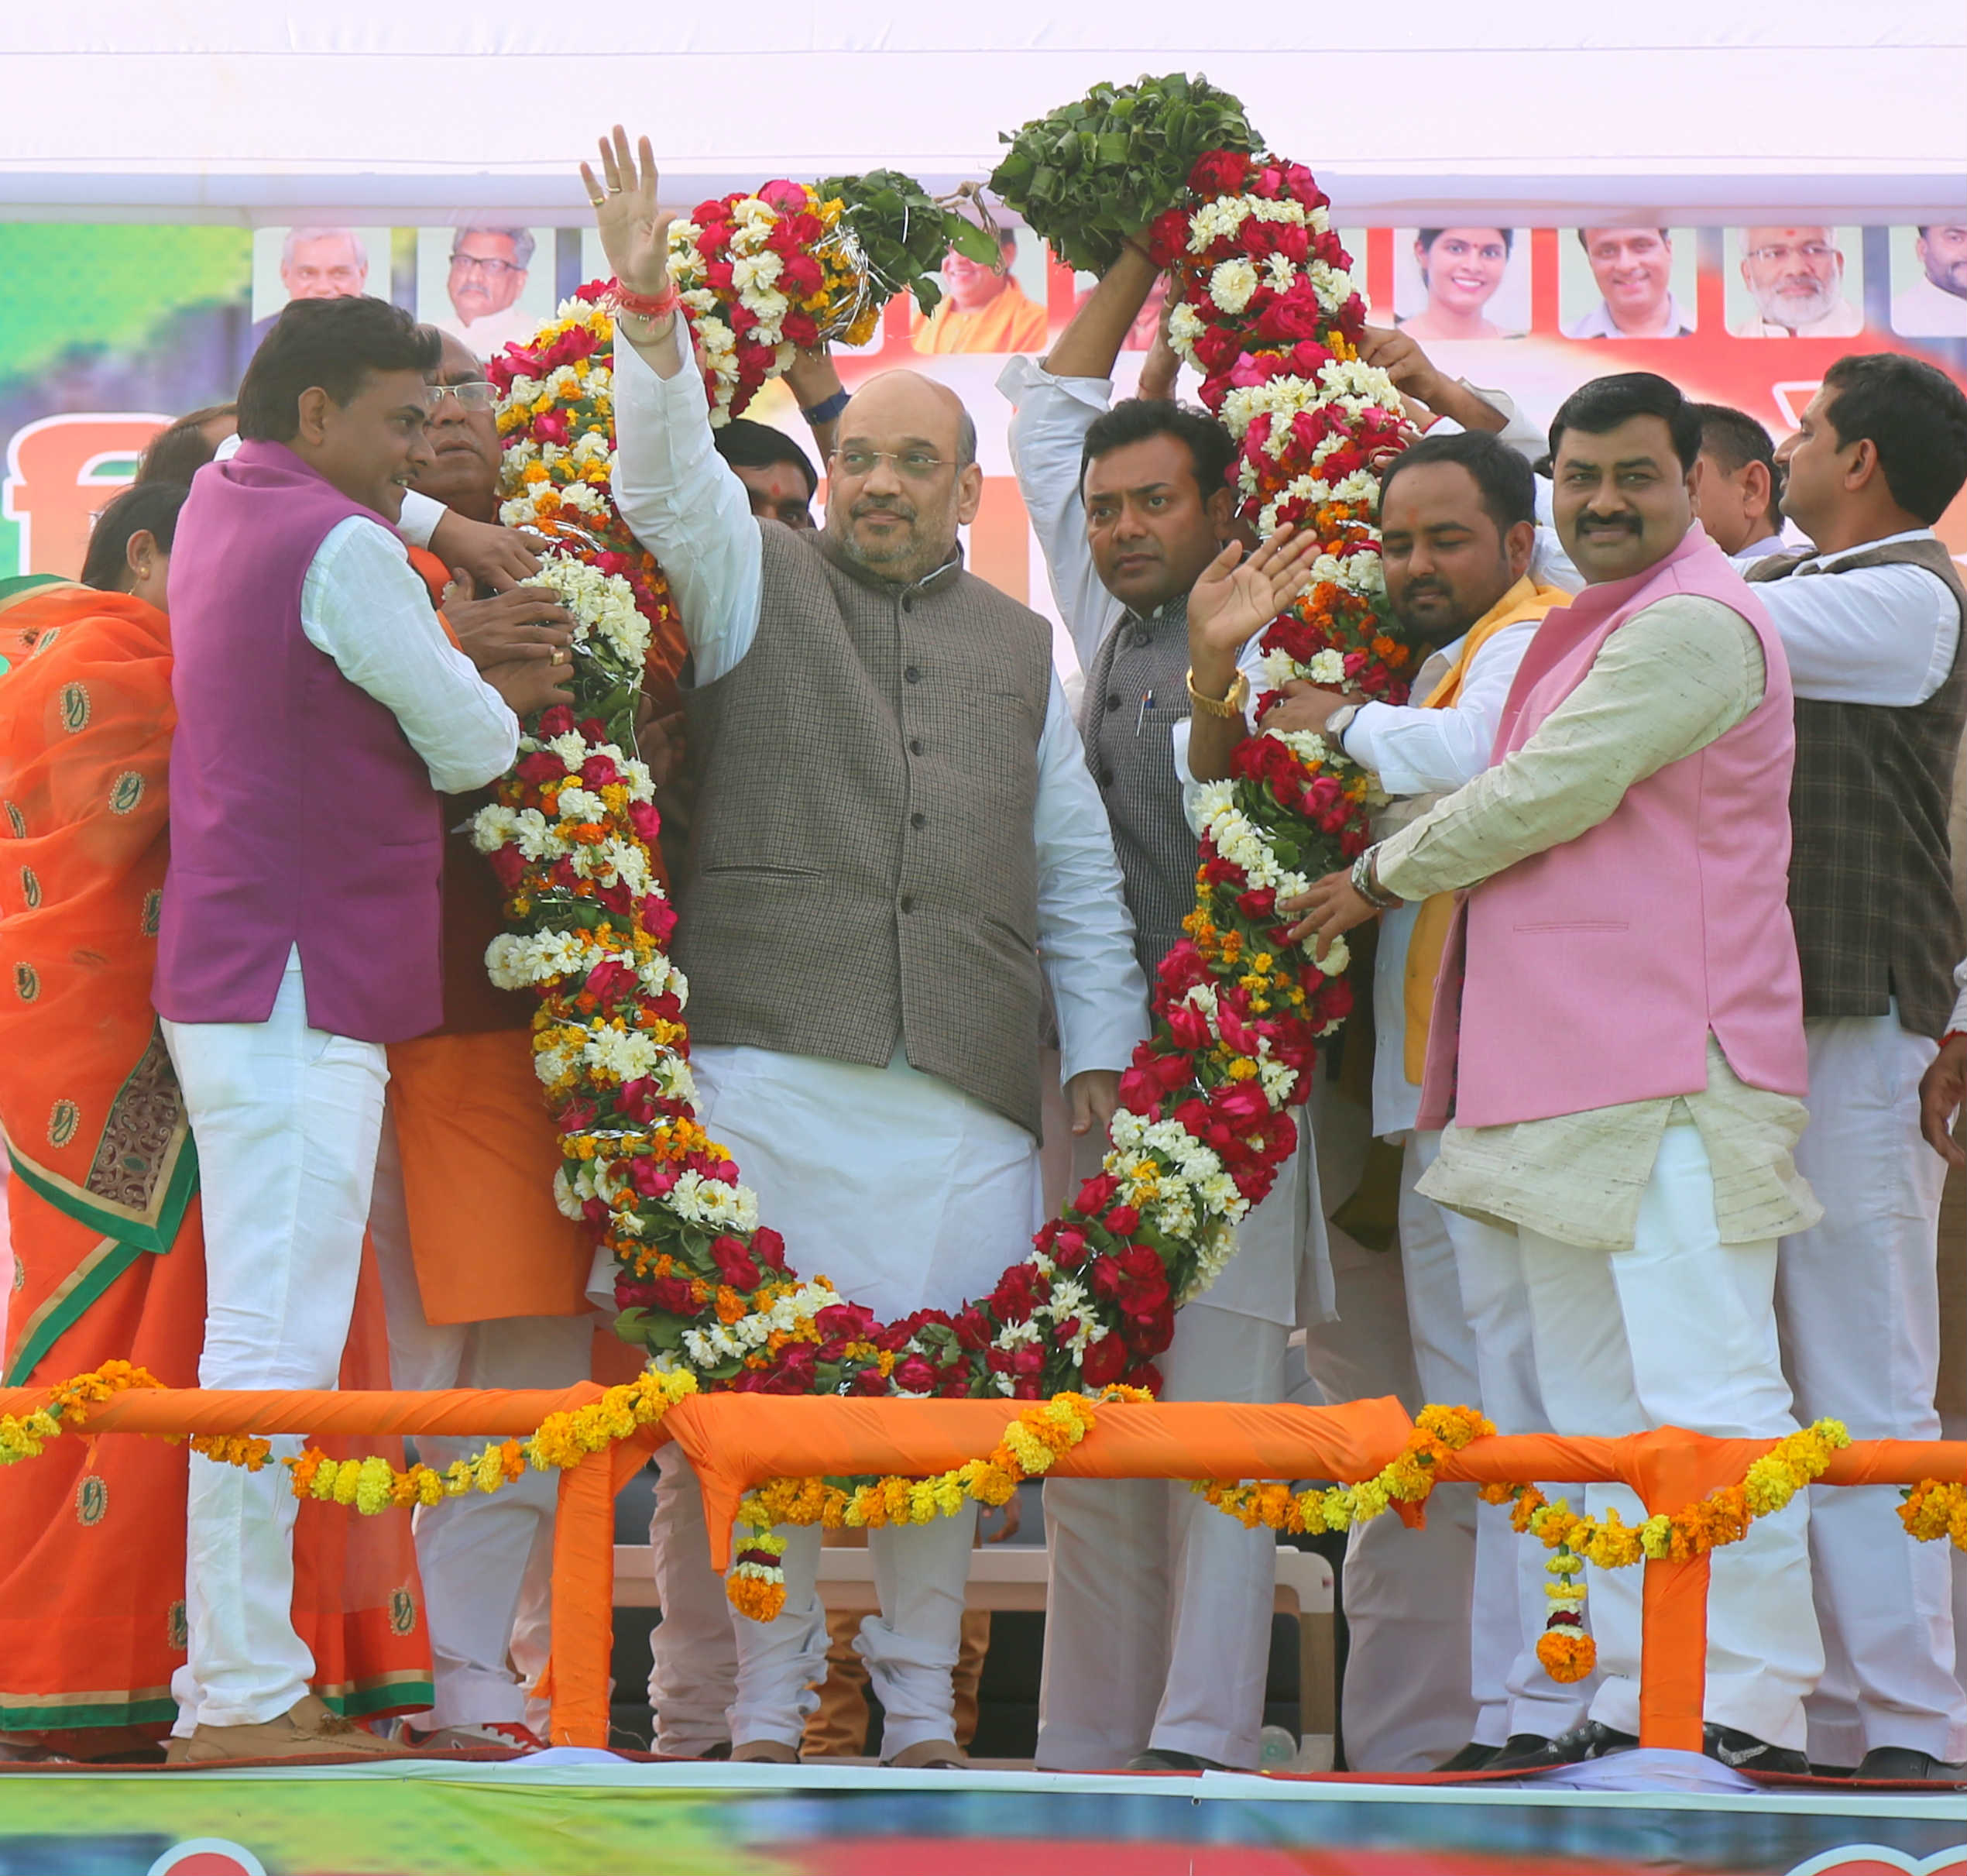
[736, 1441]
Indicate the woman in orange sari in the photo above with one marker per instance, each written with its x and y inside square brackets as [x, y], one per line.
[108, 1252]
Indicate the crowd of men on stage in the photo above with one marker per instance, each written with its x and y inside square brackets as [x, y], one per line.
[1666, 956]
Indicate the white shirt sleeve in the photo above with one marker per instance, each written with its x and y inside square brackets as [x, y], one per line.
[1958, 1019]
[1883, 635]
[1249, 662]
[685, 506]
[1415, 750]
[1051, 416]
[419, 520]
[361, 605]
[1086, 939]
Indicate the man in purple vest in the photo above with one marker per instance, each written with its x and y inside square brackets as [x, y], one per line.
[1618, 1030]
[321, 713]
[1871, 620]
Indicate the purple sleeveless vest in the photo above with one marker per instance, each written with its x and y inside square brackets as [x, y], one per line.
[299, 814]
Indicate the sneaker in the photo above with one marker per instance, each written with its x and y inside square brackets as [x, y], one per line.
[1591, 1740]
[1745, 1753]
[1472, 1757]
[309, 1729]
[508, 1735]
[1904, 1765]
[1165, 1758]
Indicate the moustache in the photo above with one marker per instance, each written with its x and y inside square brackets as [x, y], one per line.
[1617, 525]
[880, 505]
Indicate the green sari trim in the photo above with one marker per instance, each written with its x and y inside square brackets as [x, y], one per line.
[69, 1303]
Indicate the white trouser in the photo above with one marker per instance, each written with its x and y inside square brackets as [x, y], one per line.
[911, 1647]
[1158, 1606]
[1860, 1304]
[1407, 1704]
[286, 1119]
[1681, 1331]
[471, 1551]
[1471, 1319]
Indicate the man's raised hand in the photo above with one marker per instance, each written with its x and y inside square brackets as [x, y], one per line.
[634, 232]
[1236, 598]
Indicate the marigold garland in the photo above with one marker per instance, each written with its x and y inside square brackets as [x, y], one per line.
[27, 1437]
[1439, 1432]
[756, 1582]
[1934, 1509]
[1723, 1517]
[373, 1484]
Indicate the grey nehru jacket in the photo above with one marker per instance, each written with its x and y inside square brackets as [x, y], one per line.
[862, 867]
[1132, 757]
[1871, 870]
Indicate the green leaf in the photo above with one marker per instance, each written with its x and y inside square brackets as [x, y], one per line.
[1097, 171]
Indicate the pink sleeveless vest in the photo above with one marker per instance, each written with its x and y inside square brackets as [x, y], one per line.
[1591, 973]
[299, 814]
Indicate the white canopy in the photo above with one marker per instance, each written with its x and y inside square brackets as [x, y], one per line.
[377, 110]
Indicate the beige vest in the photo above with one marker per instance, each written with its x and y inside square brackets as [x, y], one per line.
[862, 866]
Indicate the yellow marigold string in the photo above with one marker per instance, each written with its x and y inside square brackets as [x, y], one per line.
[1438, 1431]
[27, 1436]
[1722, 1518]
[372, 1484]
[755, 1583]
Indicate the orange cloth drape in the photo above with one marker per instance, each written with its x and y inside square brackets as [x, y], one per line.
[1526, 599]
[105, 1223]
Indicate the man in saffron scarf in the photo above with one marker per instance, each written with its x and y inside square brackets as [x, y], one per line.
[106, 1228]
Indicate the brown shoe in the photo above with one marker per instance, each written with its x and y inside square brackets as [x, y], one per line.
[764, 1752]
[310, 1730]
[929, 1755]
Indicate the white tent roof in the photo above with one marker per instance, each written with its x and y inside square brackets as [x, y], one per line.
[241, 110]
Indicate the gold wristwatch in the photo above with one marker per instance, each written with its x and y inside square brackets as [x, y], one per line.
[1231, 705]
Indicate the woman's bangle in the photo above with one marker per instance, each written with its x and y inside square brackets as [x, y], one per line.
[646, 305]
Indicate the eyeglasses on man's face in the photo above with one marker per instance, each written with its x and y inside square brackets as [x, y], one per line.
[492, 269]
[1781, 254]
[474, 394]
[909, 465]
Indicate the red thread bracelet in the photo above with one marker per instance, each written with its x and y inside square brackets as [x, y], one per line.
[646, 305]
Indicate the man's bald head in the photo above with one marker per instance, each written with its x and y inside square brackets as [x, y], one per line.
[904, 476]
[908, 397]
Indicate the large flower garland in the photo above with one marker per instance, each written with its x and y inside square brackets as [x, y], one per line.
[1205, 1120]
[1264, 307]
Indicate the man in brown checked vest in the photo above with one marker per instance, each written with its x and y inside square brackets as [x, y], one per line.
[893, 817]
[1875, 654]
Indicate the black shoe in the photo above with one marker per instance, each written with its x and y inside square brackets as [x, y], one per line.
[721, 1750]
[1472, 1757]
[1902, 1765]
[1163, 1758]
[1590, 1740]
[1745, 1753]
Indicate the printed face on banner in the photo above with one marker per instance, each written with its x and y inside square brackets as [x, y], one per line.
[1794, 282]
[323, 262]
[1929, 280]
[1460, 282]
[1642, 278]
[489, 286]
[994, 306]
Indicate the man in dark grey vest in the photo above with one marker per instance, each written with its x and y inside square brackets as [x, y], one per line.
[893, 821]
[1875, 651]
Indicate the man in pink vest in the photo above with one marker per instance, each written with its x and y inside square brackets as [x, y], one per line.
[321, 713]
[1617, 1029]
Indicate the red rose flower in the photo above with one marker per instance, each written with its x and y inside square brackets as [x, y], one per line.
[1219, 172]
[1103, 1360]
[915, 1376]
[557, 721]
[768, 1248]
[508, 866]
[646, 821]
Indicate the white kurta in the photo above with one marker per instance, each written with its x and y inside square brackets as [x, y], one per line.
[904, 1191]
[861, 1161]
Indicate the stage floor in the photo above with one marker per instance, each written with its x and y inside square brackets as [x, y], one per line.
[579, 1813]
